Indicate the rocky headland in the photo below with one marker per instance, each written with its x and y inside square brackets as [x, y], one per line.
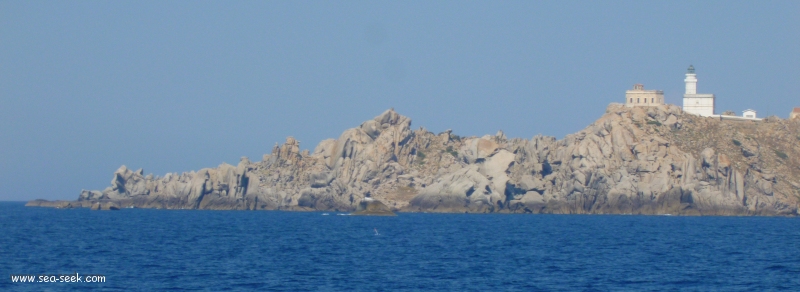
[655, 160]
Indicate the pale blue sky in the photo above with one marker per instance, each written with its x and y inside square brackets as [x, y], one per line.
[172, 86]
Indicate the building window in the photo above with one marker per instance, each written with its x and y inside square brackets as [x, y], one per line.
[631, 99]
[637, 100]
[651, 100]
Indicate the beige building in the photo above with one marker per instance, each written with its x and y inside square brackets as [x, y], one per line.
[795, 113]
[640, 97]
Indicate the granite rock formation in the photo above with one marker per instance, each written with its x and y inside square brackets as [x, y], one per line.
[370, 207]
[655, 160]
[105, 206]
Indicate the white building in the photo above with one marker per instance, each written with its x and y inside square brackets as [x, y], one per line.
[748, 113]
[698, 104]
[640, 97]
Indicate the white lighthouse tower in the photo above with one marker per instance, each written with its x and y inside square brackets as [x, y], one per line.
[693, 103]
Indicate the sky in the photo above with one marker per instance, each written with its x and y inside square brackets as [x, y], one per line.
[175, 86]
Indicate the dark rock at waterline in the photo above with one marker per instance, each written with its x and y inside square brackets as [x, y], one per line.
[105, 206]
[373, 208]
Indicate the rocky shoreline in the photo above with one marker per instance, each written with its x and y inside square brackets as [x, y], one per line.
[655, 160]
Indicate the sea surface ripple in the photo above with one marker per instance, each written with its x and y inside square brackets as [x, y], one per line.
[191, 250]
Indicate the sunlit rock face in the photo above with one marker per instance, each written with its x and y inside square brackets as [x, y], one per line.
[640, 160]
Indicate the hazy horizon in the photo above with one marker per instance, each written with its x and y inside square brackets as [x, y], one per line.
[86, 87]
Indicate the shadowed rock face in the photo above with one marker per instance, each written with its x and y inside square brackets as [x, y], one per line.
[656, 160]
[105, 206]
[373, 208]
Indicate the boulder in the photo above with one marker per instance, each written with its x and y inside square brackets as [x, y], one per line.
[370, 207]
[105, 206]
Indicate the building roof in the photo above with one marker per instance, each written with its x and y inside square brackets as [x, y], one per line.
[796, 110]
[748, 110]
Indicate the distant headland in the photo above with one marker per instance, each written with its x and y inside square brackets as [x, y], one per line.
[640, 157]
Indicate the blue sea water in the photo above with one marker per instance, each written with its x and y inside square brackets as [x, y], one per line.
[154, 250]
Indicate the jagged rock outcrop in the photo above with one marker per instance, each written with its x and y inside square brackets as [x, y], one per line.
[652, 160]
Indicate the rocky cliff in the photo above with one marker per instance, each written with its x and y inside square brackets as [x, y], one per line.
[655, 160]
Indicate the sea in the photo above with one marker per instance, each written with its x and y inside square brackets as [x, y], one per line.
[201, 250]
